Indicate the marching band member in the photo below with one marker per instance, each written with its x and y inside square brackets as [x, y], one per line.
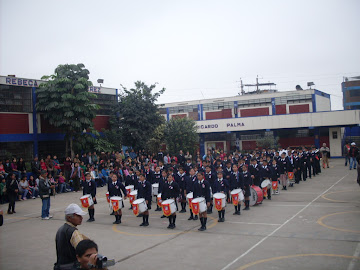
[247, 183]
[180, 179]
[202, 189]
[131, 178]
[162, 182]
[89, 187]
[236, 181]
[170, 190]
[190, 181]
[144, 191]
[283, 169]
[210, 177]
[115, 187]
[265, 173]
[221, 185]
[254, 171]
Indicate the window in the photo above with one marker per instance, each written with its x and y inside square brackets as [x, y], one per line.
[15, 98]
[354, 93]
[104, 101]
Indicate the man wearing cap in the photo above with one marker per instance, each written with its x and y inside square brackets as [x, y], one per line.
[354, 151]
[45, 187]
[68, 237]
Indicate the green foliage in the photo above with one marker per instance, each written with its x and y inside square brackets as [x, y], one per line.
[158, 138]
[136, 115]
[181, 134]
[267, 142]
[65, 102]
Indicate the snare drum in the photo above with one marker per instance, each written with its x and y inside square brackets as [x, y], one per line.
[86, 201]
[129, 189]
[190, 197]
[159, 200]
[139, 206]
[219, 199]
[168, 207]
[256, 195]
[116, 203]
[275, 187]
[132, 196]
[155, 189]
[237, 196]
[291, 177]
[108, 197]
[266, 183]
[198, 205]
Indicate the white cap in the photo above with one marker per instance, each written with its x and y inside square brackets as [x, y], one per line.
[353, 143]
[74, 209]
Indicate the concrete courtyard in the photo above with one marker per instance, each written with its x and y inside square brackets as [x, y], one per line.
[314, 225]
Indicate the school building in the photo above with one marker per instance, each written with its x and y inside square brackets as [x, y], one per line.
[24, 132]
[301, 117]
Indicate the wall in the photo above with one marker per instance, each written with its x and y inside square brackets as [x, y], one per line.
[301, 108]
[101, 122]
[322, 103]
[280, 109]
[254, 112]
[225, 113]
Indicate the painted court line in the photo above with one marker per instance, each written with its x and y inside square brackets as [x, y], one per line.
[353, 261]
[282, 225]
[250, 223]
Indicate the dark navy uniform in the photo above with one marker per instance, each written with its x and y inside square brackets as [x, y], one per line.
[115, 189]
[144, 191]
[181, 180]
[131, 180]
[255, 171]
[202, 189]
[170, 191]
[89, 187]
[221, 185]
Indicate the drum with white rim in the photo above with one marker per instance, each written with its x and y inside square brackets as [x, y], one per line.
[132, 196]
[168, 207]
[190, 197]
[266, 183]
[256, 195]
[198, 205]
[237, 196]
[86, 201]
[220, 201]
[139, 206]
[155, 189]
[129, 189]
[116, 203]
[107, 197]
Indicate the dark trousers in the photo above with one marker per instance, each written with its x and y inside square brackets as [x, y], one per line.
[12, 198]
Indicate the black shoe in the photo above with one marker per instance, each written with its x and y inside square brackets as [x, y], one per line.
[247, 208]
[163, 216]
[269, 198]
[190, 218]
[142, 224]
[172, 226]
[196, 217]
[14, 212]
[182, 211]
[9, 212]
[238, 213]
[112, 213]
[202, 228]
[223, 219]
[89, 220]
[169, 227]
[235, 213]
[283, 188]
[219, 220]
[158, 209]
[146, 224]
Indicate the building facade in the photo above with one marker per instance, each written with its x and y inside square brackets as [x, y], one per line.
[24, 132]
[293, 118]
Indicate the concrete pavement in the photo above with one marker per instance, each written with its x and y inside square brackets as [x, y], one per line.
[315, 225]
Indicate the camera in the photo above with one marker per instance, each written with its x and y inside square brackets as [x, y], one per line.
[102, 261]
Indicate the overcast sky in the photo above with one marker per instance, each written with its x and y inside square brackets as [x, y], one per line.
[195, 49]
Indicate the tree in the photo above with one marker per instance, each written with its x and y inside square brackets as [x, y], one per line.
[181, 134]
[65, 101]
[267, 142]
[138, 115]
[154, 144]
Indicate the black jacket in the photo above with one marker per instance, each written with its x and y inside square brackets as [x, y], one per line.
[144, 190]
[89, 188]
[115, 189]
[170, 191]
[202, 189]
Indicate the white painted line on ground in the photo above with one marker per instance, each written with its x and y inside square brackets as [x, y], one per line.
[250, 223]
[282, 225]
[352, 263]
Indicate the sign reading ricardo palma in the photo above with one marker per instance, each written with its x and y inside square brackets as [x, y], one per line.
[215, 126]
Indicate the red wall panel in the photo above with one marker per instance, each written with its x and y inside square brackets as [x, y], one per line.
[179, 115]
[254, 112]
[298, 141]
[101, 122]
[248, 145]
[225, 113]
[14, 123]
[281, 109]
[303, 108]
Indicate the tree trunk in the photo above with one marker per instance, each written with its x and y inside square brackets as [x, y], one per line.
[66, 148]
[71, 147]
